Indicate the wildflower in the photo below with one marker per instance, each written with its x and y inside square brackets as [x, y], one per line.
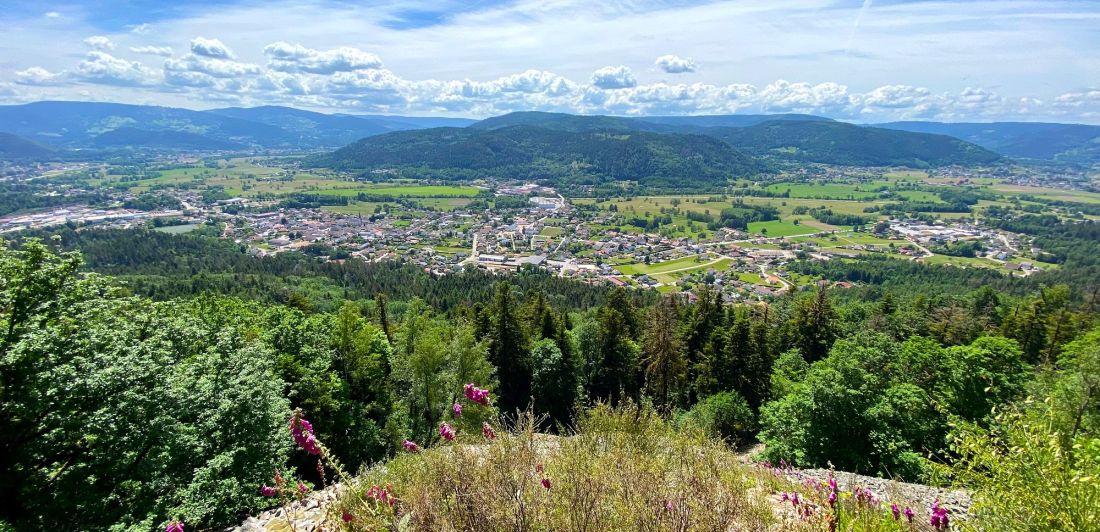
[895, 510]
[785, 497]
[411, 446]
[267, 491]
[832, 483]
[832, 498]
[939, 519]
[347, 518]
[174, 526]
[457, 409]
[794, 498]
[546, 483]
[475, 394]
[302, 489]
[488, 432]
[908, 514]
[302, 431]
[446, 431]
[669, 507]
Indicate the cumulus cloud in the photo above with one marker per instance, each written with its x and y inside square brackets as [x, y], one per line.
[38, 76]
[101, 67]
[163, 51]
[345, 79]
[99, 42]
[213, 48]
[609, 77]
[286, 57]
[672, 64]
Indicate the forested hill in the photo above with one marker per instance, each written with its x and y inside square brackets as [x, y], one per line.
[841, 143]
[15, 147]
[163, 266]
[1033, 140]
[528, 152]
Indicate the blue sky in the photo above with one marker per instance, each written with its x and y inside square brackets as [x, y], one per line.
[860, 60]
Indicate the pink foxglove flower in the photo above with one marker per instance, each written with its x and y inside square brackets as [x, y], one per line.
[446, 431]
[174, 526]
[457, 409]
[908, 514]
[411, 446]
[267, 491]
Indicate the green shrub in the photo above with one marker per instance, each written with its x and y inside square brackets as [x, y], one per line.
[724, 415]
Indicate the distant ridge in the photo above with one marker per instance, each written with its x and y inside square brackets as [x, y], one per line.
[1033, 140]
[13, 147]
[789, 137]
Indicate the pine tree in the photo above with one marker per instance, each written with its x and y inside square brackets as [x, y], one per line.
[509, 353]
[665, 364]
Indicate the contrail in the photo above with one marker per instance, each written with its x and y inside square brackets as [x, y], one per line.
[855, 27]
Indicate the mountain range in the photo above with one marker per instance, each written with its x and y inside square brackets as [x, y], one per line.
[51, 129]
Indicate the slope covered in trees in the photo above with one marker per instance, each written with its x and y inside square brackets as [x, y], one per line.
[13, 147]
[528, 152]
[849, 144]
[178, 409]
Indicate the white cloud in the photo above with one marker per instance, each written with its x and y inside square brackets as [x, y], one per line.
[39, 76]
[286, 57]
[672, 64]
[101, 67]
[53, 14]
[163, 51]
[210, 48]
[99, 42]
[610, 77]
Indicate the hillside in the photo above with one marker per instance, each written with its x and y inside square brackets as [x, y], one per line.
[1035, 140]
[536, 152]
[130, 137]
[841, 143]
[15, 147]
[83, 124]
[660, 124]
[794, 137]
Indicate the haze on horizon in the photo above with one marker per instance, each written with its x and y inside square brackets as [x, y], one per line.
[857, 60]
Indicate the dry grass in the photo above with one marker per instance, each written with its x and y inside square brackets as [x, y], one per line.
[620, 470]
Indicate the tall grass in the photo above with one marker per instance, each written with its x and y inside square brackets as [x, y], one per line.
[620, 469]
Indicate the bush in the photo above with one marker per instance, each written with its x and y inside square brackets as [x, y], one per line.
[724, 415]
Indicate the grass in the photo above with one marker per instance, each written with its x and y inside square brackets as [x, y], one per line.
[693, 261]
[838, 191]
[616, 471]
[777, 228]
[178, 229]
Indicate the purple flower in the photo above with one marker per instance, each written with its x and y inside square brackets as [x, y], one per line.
[302, 432]
[476, 394]
[832, 483]
[939, 519]
[457, 409]
[895, 510]
[267, 491]
[347, 518]
[832, 498]
[546, 483]
[908, 514]
[174, 526]
[488, 431]
[411, 447]
[447, 431]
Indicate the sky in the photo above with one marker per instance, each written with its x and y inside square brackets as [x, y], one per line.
[856, 60]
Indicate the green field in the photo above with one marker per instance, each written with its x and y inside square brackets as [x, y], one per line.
[778, 228]
[178, 229]
[824, 191]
